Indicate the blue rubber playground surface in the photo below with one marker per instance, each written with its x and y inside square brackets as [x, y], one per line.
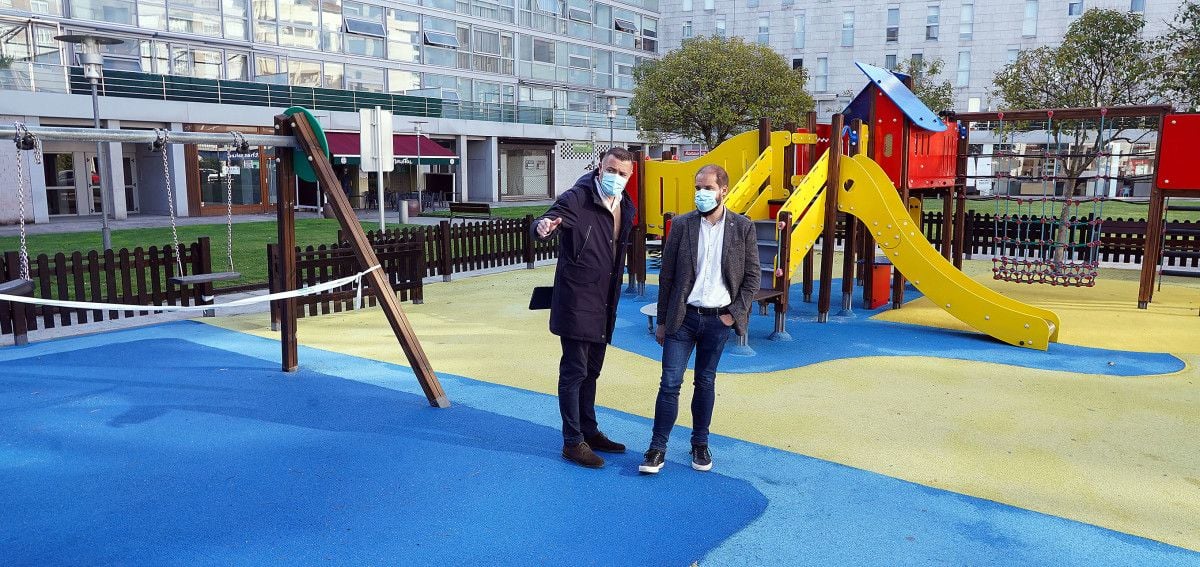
[183, 444]
[858, 335]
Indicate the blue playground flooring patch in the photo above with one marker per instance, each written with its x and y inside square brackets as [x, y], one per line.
[184, 444]
[859, 335]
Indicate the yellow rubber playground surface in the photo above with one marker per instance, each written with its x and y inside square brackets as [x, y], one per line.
[1114, 447]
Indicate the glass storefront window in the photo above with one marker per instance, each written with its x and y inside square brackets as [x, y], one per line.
[60, 183]
[152, 16]
[243, 173]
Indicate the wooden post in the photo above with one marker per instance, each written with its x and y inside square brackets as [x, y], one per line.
[527, 240]
[378, 281]
[868, 238]
[1155, 225]
[850, 243]
[20, 320]
[445, 250]
[832, 186]
[897, 277]
[960, 183]
[783, 281]
[807, 271]
[285, 214]
[948, 213]
[764, 142]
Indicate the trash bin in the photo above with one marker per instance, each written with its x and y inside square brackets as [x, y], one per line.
[881, 282]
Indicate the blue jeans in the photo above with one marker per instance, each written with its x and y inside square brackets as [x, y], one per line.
[707, 335]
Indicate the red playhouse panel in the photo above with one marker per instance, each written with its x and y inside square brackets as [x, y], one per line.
[932, 157]
[888, 132]
[631, 187]
[1177, 169]
[802, 161]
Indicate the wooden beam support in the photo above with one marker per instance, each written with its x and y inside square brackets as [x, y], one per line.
[1066, 113]
[366, 258]
[285, 215]
[832, 188]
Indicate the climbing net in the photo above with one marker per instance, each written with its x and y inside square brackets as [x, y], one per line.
[1048, 217]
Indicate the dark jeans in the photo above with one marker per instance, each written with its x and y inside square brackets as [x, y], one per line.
[707, 334]
[577, 373]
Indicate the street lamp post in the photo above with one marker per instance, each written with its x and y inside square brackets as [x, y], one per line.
[612, 115]
[93, 68]
[420, 178]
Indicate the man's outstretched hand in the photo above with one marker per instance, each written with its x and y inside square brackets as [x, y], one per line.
[546, 227]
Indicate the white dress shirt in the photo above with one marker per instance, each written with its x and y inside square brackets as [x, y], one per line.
[709, 289]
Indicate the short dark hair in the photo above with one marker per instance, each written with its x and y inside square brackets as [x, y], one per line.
[618, 152]
[722, 175]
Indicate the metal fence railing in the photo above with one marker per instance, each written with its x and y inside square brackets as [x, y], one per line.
[37, 77]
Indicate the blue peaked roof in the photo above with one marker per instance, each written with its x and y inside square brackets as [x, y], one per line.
[890, 84]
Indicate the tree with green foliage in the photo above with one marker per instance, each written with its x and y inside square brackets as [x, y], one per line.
[1103, 61]
[1180, 62]
[935, 92]
[712, 88]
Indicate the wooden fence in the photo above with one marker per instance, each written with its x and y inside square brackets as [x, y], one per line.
[1121, 240]
[136, 277]
[402, 259]
[455, 248]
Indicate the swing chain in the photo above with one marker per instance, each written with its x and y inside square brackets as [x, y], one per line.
[160, 145]
[239, 142]
[25, 141]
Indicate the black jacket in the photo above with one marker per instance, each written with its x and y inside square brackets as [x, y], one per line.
[587, 280]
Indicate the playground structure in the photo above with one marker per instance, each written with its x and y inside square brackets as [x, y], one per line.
[298, 130]
[889, 152]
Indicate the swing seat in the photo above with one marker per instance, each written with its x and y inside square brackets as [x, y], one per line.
[19, 286]
[200, 279]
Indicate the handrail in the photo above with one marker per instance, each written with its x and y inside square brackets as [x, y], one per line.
[37, 77]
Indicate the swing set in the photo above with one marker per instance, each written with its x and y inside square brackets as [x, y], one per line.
[296, 129]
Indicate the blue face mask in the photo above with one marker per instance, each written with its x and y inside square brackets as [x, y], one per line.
[706, 200]
[612, 184]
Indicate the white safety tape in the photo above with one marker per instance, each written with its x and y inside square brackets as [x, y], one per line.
[310, 290]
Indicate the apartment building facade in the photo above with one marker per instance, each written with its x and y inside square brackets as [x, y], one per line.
[505, 97]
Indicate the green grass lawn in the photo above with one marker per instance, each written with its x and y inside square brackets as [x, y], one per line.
[249, 243]
[499, 212]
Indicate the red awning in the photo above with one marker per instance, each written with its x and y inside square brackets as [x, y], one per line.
[404, 145]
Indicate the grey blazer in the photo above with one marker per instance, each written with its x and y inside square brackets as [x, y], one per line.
[739, 269]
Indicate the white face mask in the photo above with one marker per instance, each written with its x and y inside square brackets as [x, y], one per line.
[612, 184]
[706, 200]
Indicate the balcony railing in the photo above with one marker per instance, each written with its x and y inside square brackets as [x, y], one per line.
[36, 77]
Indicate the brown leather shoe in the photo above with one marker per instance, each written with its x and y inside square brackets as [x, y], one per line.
[599, 442]
[582, 455]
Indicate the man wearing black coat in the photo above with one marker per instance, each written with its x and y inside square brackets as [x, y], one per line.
[592, 220]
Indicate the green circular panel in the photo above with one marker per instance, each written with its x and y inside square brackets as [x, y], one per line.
[300, 164]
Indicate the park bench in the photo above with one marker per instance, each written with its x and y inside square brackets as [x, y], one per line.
[470, 210]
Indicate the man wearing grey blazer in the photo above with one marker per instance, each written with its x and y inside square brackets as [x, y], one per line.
[710, 273]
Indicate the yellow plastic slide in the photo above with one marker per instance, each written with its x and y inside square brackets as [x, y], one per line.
[873, 199]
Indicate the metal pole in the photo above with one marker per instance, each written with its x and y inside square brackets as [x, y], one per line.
[420, 177]
[378, 141]
[105, 181]
[143, 136]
